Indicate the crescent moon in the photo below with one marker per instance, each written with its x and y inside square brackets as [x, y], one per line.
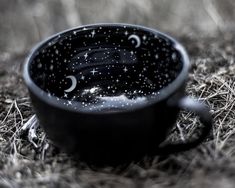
[136, 38]
[74, 83]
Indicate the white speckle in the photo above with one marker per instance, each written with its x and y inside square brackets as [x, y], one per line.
[125, 69]
[82, 77]
[174, 56]
[39, 65]
[156, 56]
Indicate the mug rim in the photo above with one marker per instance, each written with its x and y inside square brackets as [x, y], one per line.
[52, 100]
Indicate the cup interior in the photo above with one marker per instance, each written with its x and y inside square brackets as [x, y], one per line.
[106, 67]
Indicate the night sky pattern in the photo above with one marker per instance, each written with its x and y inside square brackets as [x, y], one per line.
[105, 67]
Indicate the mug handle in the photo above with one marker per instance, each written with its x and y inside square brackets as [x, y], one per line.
[205, 117]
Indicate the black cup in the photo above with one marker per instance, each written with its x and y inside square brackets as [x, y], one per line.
[111, 92]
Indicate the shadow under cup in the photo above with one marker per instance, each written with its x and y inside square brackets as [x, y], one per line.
[111, 92]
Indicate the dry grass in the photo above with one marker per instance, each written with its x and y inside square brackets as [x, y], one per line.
[33, 162]
[28, 160]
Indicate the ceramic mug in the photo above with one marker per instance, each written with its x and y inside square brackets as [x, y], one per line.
[111, 92]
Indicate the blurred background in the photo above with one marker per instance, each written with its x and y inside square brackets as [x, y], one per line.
[23, 23]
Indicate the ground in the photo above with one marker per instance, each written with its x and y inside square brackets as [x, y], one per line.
[212, 164]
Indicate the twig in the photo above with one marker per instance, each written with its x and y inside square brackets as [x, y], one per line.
[181, 132]
[9, 111]
[31, 125]
[17, 108]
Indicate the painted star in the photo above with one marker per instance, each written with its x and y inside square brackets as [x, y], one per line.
[126, 33]
[93, 71]
[125, 69]
[86, 55]
[93, 33]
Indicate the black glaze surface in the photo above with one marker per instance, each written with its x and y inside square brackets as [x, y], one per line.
[102, 91]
